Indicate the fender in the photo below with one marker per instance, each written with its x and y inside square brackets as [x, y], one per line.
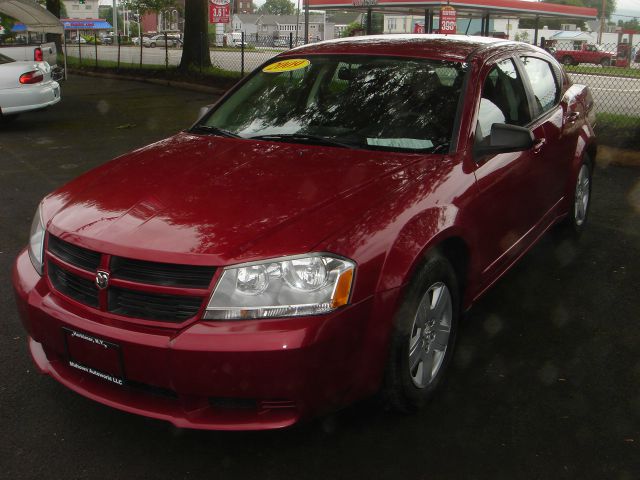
[432, 227]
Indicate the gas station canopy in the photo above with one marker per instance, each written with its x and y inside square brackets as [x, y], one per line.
[496, 8]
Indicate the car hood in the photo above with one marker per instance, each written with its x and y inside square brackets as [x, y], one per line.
[206, 199]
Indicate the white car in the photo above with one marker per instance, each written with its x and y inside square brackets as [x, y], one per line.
[159, 40]
[25, 86]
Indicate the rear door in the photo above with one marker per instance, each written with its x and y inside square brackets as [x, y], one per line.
[543, 83]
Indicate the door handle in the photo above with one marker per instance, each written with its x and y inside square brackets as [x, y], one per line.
[538, 144]
[572, 117]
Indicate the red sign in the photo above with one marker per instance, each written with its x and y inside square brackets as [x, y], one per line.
[219, 11]
[418, 28]
[448, 20]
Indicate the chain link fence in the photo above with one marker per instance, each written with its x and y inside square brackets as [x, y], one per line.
[611, 71]
[234, 53]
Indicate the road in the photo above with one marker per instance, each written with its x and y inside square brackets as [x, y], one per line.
[544, 383]
[226, 59]
[611, 94]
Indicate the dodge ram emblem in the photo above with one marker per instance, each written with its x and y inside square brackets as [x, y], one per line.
[102, 280]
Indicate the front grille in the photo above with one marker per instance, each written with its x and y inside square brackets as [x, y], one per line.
[141, 301]
[80, 289]
[151, 306]
[77, 256]
[166, 274]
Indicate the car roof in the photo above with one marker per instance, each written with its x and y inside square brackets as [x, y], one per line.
[444, 47]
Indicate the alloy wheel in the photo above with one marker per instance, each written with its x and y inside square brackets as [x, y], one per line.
[581, 201]
[430, 334]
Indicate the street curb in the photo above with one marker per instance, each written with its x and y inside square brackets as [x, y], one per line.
[617, 156]
[156, 81]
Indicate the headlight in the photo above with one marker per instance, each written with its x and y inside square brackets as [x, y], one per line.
[284, 287]
[36, 241]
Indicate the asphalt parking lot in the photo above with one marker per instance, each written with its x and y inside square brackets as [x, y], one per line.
[545, 383]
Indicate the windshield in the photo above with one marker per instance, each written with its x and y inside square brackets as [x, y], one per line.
[363, 101]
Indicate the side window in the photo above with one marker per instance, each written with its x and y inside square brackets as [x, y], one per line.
[503, 100]
[543, 83]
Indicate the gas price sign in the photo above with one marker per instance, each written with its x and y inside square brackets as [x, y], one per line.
[219, 11]
[448, 20]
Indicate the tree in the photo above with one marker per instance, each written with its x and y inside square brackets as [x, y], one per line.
[146, 6]
[59, 9]
[352, 29]
[106, 12]
[277, 7]
[629, 24]
[195, 49]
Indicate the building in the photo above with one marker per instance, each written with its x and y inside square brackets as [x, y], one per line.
[277, 26]
[169, 20]
[82, 9]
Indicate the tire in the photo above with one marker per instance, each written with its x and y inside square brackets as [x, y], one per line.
[567, 60]
[152, 45]
[573, 226]
[605, 62]
[424, 333]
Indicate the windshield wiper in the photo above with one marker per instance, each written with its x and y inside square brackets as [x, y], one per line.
[302, 138]
[214, 131]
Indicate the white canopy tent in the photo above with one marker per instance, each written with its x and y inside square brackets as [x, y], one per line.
[35, 17]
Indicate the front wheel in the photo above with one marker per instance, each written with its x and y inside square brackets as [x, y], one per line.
[153, 45]
[605, 62]
[567, 60]
[424, 335]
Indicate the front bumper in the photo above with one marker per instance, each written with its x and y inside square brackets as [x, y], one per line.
[245, 375]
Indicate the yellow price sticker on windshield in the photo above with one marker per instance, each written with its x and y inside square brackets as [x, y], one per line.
[287, 65]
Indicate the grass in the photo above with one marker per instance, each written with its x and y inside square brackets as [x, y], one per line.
[211, 76]
[619, 131]
[606, 71]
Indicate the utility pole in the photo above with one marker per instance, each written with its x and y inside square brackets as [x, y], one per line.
[602, 20]
[306, 21]
[115, 22]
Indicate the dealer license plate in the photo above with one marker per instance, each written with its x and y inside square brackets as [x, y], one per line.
[94, 356]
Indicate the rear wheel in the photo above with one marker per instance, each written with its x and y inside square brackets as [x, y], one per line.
[567, 60]
[605, 62]
[152, 45]
[574, 224]
[424, 336]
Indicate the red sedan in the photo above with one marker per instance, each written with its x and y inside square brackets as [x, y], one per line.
[313, 238]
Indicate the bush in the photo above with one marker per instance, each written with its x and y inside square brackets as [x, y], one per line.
[619, 131]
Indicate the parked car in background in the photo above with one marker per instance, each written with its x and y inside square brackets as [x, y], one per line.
[234, 39]
[25, 86]
[161, 40]
[587, 53]
[312, 239]
[33, 48]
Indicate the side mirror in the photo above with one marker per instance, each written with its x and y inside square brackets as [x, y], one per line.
[203, 111]
[506, 138]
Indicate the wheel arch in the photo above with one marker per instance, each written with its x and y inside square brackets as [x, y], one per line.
[451, 243]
